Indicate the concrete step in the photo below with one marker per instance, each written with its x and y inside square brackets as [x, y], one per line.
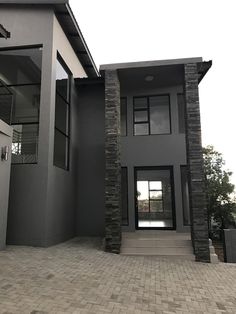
[158, 250]
[156, 234]
[186, 257]
[148, 242]
[158, 243]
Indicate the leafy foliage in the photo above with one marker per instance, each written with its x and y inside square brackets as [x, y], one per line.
[220, 205]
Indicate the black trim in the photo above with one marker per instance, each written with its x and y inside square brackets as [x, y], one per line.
[148, 114]
[68, 104]
[4, 33]
[170, 168]
[23, 84]
[21, 47]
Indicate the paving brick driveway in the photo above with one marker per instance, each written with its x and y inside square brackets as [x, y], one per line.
[78, 277]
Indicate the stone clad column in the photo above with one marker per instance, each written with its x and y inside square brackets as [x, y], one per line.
[198, 209]
[113, 166]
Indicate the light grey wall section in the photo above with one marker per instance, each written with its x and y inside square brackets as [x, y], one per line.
[90, 219]
[5, 168]
[154, 150]
[28, 187]
[230, 245]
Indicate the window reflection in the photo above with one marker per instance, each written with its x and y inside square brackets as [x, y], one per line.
[152, 115]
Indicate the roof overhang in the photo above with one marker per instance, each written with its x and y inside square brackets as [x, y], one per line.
[168, 67]
[69, 25]
[4, 33]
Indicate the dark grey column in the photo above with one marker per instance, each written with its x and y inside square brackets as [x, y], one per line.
[113, 167]
[198, 208]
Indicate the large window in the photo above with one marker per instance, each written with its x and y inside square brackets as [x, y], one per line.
[62, 115]
[152, 115]
[20, 85]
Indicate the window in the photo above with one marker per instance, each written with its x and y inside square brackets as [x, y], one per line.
[124, 196]
[62, 115]
[181, 112]
[150, 196]
[20, 86]
[123, 116]
[152, 115]
[185, 195]
[154, 202]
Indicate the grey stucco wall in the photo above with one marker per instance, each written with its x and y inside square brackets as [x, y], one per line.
[90, 214]
[230, 245]
[154, 150]
[62, 187]
[28, 185]
[42, 197]
[5, 168]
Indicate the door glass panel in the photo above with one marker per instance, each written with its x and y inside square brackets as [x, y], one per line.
[155, 185]
[156, 206]
[154, 198]
[155, 195]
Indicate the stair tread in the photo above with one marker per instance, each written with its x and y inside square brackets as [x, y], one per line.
[157, 243]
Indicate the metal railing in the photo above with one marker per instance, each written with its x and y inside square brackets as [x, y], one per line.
[25, 143]
[218, 241]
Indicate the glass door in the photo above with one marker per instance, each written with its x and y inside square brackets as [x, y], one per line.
[154, 199]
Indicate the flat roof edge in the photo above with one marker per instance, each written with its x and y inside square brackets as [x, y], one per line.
[140, 64]
[34, 2]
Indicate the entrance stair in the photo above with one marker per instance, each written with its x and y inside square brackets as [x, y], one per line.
[162, 243]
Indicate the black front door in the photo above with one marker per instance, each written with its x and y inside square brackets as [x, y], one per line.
[154, 198]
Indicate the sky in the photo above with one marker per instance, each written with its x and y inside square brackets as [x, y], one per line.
[137, 30]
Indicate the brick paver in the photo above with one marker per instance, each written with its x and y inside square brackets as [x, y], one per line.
[78, 277]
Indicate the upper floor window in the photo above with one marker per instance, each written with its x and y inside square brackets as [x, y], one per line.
[62, 115]
[20, 87]
[152, 115]
[123, 116]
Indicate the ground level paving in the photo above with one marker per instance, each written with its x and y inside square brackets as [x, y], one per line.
[78, 277]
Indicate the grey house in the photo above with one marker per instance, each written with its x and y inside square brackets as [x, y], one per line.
[97, 153]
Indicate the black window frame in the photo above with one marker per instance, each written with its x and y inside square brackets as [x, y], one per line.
[25, 47]
[67, 101]
[154, 200]
[148, 121]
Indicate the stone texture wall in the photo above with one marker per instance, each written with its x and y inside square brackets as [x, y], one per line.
[113, 166]
[198, 209]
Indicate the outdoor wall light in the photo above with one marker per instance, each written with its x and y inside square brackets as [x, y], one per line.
[5, 153]
[149, 78]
